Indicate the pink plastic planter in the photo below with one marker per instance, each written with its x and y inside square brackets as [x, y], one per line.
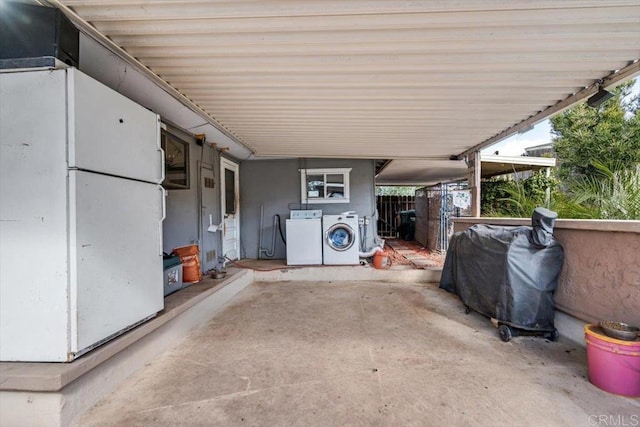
[614, 365]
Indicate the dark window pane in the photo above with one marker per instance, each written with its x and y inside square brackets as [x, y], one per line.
[176, 155]
[315, 186]
[229, 191]
[335, 178]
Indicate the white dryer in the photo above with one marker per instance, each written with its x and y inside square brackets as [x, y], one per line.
[340, 239]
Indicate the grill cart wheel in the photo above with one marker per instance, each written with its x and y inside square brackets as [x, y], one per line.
[505, 333]
[553, 336]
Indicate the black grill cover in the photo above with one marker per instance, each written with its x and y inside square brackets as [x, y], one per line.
[507, 273]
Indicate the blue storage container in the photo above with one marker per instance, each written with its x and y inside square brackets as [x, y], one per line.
[172, 274]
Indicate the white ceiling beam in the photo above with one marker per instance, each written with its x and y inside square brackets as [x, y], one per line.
[375, 105]
[362, 154]
[218, 91]
[215, 36]
[438, 75]
[348, 146]
[384, 48]
[279, 145]
[349, 81]
[340, 11]
[250, 117]
[355, 125]
[538, 60]
[203, 89]
[390, 67]
[432, 5]
[372, 110]
[454, 78]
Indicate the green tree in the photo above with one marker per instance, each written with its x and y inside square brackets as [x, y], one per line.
[382, 190]
[517, 198]
[610, 195]
[609, 134]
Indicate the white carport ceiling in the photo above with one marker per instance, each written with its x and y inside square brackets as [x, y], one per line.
[422, 172]
[385, 79]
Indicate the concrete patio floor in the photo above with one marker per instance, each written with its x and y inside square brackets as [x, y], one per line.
[358, 353]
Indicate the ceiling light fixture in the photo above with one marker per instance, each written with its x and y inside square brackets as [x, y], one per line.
[601, 96]
[525, 129]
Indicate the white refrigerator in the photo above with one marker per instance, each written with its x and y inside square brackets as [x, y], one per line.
[81, 210]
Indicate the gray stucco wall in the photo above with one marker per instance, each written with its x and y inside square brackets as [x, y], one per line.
[275, 184]
[181, 224]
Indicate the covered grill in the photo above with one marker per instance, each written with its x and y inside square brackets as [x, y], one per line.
[508, 273]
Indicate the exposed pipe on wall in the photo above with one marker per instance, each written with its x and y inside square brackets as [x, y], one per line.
[260, 231]
[268, 252]
[373, 218]
[200, 207]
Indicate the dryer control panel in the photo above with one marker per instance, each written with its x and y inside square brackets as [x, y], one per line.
[305, 214]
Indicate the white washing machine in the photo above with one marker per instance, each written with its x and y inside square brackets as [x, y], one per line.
[304, 237]
[340, 239]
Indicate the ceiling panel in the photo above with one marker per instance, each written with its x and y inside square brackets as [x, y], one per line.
[386, 79]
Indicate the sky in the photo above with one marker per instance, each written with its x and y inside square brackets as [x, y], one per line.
[515, 145]
[540, 134]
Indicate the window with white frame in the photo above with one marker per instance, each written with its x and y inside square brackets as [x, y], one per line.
[329, 185]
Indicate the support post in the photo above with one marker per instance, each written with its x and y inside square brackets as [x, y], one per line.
[547, 191]
[474, 168]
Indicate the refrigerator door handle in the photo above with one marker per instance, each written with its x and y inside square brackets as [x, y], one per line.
[163, 198]
[164, 202]
[160, 127]
[162, 165]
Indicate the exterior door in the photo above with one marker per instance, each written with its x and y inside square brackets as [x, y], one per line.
[230, 198]
[210, 215]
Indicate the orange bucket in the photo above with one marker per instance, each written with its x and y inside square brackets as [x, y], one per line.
[381, 260]
[190, 257]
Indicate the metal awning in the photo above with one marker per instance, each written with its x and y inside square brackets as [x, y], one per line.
[431, 172]
[380, 79]
[493, 165]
